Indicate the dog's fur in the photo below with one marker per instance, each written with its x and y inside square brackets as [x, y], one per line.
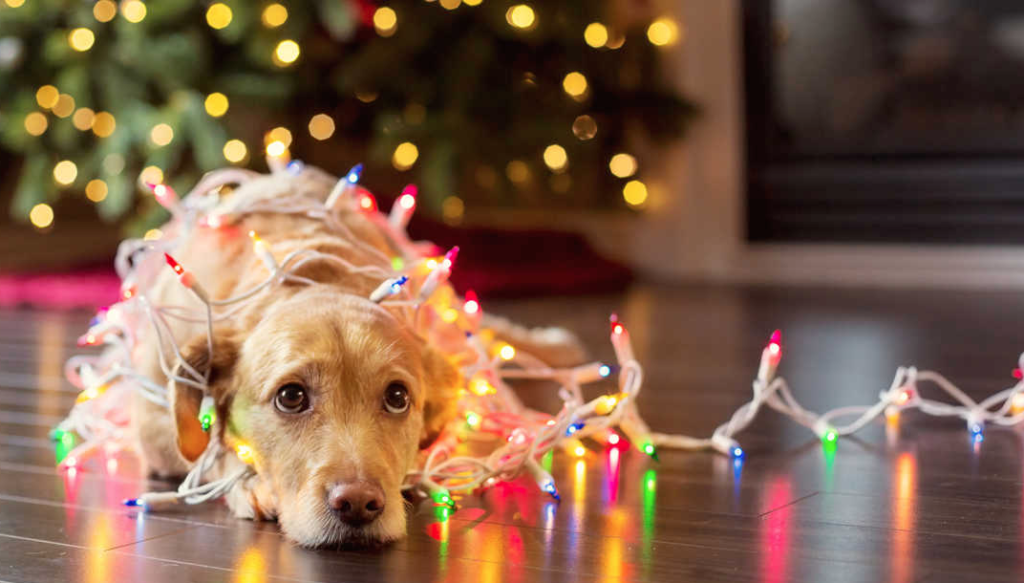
[329, 338]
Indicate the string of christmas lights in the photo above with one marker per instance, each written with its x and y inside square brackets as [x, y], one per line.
[413, 284]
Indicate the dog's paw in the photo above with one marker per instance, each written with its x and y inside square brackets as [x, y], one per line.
[252, 499]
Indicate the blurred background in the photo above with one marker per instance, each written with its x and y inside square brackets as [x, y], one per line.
[568, 146]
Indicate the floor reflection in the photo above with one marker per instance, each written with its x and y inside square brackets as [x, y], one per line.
[775, 531]
[903, 517]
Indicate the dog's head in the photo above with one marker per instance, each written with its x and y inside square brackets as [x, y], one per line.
[335, 396]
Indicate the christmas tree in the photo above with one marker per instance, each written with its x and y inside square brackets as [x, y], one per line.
[498, 102]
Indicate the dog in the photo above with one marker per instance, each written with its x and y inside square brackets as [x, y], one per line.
[334, 395]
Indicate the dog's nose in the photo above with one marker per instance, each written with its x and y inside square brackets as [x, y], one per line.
[356, 503]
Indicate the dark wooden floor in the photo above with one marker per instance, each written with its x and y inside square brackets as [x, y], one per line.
[923, 505]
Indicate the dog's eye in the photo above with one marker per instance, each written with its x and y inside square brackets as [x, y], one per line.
[396, 399]
[291, 398]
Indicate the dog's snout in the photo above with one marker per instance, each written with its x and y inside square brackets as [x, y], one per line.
[356, 503]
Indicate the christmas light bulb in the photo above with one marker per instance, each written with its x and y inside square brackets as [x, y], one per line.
[353, 175]
[579, 450]
[178, 269]
[405, 205]
[387, 288]
[613, 438]
[207, 412]
[1017, 404]
[620, 340]
[165, 195]
[770, 357]
[244, 453]
[648, 448]
[367, 202]
[507, 352]
[471, 305]
[473, 420]
[574, 427]
[344, 186]
[262, 250]
[606, 404]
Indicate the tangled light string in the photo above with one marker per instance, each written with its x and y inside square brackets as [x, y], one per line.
[412, 283]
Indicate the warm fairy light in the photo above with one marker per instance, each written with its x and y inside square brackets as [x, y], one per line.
[450, 4]
[286, 53]
[151, 175]
[830, 436]
[596, 35]
[663, 32]
[171, 261]
[606, 404]
[385, 21]
[366, 96]
[473, 419]
[367, 202]
[521, 16]
[579, 450]
[452, 209]
[14, 3]
[405, 156]
[153, 235]
[584, 127]
[507, 352]
[274, 15]
[83, 119]
[64, 107]
[472, 304]
[276, 148]
[46, 96]
[407, 201]
[81, 39]
[613, 438]
[518, 172]
[96, 190]
[575, 84]
[450, 315]
[35, 123]
[91, 392]
[244, 453]
[482, 387]
[216, 104]
[235, 151]
[41, 215]
[161, 134]
[902, 397]
[622, 165]
[133, 10]
[635, 193]
[104, 124]
[65, 172]
[1017, 404]
[472, 2]
[218, 15]
[555, 157]
[104, 10]
[321, 126]
[278, 134]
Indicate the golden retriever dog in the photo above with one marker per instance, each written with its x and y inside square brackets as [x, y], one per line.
[334, 394]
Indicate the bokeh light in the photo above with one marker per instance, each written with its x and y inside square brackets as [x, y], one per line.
[286, 53]
[161, 134]
[452, 209]
[405, 156]
[218, 15]
[35, 123]
[104, 10]
[596, 35]
[521, 16]
[663, 32]
[46, 96]
[216, 104]
[385, 21]
[104, 124]
[96, 190]
[278, 134]
[635, 193]
[41, 216]
[584, 127]
[133, 11]
[321, 126]
[64, 107]
[575, 84]
[274, 15]
[555, 157]
[81, 39]
[622, 165]
[83, 119]
[151, 175]
[235, 151]
[65, 172]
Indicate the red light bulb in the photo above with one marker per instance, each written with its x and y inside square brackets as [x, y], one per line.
[174, 264]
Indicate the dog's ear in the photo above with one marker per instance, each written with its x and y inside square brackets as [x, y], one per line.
[185, 400]
[441, 379]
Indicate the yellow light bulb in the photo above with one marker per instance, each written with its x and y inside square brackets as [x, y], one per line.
[35, 123]
[274, 15]
[405, 156]
[218, 15]
[635, 193]
[96, 190]
[276, 149]
[81, 39]
[622, 165]
[216, 104]
[507, 352]
[103, 124]
[41, 216]
[153, 235]
[321, 126]
[235, 151]
[663, 32]
[286, 53]
[555, 157]
[244, 453]
[65, 172]
[385, 21]
[596, 35]
[521, 16]
[575, 84]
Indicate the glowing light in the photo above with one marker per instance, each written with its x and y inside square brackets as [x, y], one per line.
[472, 304]
[622, 165]
[104, 11]
[91, 393]
[35, 123]
[46, 96]
[549, 487]
[481, 387]
[663, 32]
[235, 151]
[450, 315]
[385, 21]
[830, 436]
[96, 190]
[604, 370]
[452, 209]
[903, 396]
[737, 453]
[161, 134]
[83, 119]
[216, 104]
[14, 3]
[407, 201]
[321, 126]
[613, 438]
[81, 39]
[580, 451]
[450, 4]
[367, 202]
[649, 449]
[635, 193]
[575, 84]
[64, 107]
[286, 53]
[276, 149]
[573, 428]
[507, 352]
[65, 172]
[473, 419]
[517, 171]
[274, 15]
[405, 156]
[153, 235]
[218, 15]
[278, 134]
[41, 216]
[555, 157]
[104, 124]
[521, 16]
[151, 175]
[397, 263]
[244, 453]
[584, 127]
[134, 11]
[472, 2]
[173, 263]
[596, 35]
[1017, 404]
[606, 404]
